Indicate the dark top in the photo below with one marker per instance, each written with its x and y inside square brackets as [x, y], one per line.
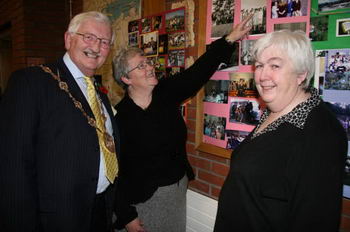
[289, 176]
[153, 141]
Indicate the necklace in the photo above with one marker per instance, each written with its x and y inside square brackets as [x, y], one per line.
[107, 138]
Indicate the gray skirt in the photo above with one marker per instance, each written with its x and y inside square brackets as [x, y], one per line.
[165, 210]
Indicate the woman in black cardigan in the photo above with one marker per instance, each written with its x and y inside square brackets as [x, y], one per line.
[287, 175]
[154, 170]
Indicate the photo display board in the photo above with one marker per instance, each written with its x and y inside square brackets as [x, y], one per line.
[162, 39]
[231, 106]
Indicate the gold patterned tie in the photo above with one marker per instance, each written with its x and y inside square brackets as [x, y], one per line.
[110, 158]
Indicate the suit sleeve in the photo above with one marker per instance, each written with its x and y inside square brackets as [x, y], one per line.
[18, 122]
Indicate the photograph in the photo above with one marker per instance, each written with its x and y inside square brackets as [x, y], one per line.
[173, 70]
[258, 8]
[133, 39]
[343, 27]
[337, 69]
[288, 8]
[242, 85]
[176, 40]
[133, 26]
[244, 111]
[222, 14]
[216, 91]
[176, 58]
[342, 111]
[156, 23]
[234, 138]
[246, 56]
[319, 28]
[175, 20]
[159, 63]
[163, 44]
[214, 126]
[331, 5]
[149, 43]
[290, 26]
[145, 25]
[160, 75]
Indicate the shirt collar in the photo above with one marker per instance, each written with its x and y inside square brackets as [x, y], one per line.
[74, 70]
[297, 117]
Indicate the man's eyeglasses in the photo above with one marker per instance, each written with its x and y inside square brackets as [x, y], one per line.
[143, 65]
[92, 39]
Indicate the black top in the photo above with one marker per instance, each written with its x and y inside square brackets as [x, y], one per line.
[289, 176]
[153, 141]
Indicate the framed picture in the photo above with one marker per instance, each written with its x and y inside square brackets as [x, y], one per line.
[149, 43]
[175, 20]
[343, 27]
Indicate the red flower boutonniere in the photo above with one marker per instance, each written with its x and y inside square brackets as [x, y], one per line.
[103, 89]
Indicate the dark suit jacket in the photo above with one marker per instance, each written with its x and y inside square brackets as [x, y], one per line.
[49, 154]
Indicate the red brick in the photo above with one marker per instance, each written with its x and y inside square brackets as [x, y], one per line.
[220, 169]
[191, 137]
[191, 125]
[215, 192]
[190, 148]
[210, 178]
[345, 223]
[199, 185]
[191, 113]
[214, 157]
[200, 163]
[346, 207]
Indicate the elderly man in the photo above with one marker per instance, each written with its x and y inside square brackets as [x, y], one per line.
[58, 163]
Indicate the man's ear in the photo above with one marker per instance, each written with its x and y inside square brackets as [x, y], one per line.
[126, 80]
[67, 40]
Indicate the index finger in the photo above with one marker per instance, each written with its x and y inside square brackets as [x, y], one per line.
[247, 18]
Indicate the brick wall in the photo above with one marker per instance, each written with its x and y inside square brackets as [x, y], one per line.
[36, 28]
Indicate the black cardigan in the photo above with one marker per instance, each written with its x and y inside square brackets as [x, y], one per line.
[153, 141]
[287, 180]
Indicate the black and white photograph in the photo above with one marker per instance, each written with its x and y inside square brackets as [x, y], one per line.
[234, 138]
[337, 69]
[133, 39]
[246, 56]
[331, 5]
[175, 20]
[176, 40]
[258, 8]
[133, 26]
[222, 14]
[319, 28]
[214, 126]
[156, 23]
[146, 25]
[216, 91]
[163, 44]
[242, 85]
[342, 111]
[244, 111]
[173, 71]
[343, 27]
[176, 58]
[149, 43]
[290, 26]
[288, 8]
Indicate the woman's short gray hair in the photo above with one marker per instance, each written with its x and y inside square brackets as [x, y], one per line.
[296, 45]
[77, 20]
[121, 63]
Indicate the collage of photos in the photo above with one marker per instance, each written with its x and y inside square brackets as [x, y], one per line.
[162, 39]
[231, 93]
[332, 75]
